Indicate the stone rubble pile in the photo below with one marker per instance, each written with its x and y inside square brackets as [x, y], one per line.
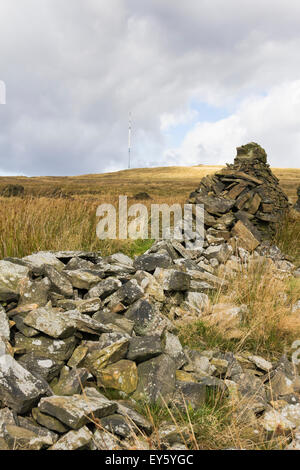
[85, 339]
[243, 200]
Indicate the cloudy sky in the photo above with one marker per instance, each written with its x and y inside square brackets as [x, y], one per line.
[199, 76]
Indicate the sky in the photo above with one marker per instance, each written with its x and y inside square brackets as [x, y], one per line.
[200, 78]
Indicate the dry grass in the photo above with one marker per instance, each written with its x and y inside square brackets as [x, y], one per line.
[158, 182]
[269, 327]
[59, 213]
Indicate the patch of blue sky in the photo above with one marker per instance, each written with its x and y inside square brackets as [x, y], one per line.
[201, 112]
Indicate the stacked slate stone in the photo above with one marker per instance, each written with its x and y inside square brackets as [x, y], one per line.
[243, 200]
[83, 339]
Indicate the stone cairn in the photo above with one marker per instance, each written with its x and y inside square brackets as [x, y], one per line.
[84, 339]
[243, 200]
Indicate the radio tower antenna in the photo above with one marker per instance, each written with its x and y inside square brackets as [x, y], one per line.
[129, 141]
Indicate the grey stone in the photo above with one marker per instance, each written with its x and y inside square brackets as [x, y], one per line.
[129, 293]
[50, 322]
[196, 303]
[40, 367]
[117, 424]
[150, 262]
[49, 422]
[74, 440]
[83, 279]
[144, 348]
[18, 438]
[41, 346]
[60, 283]
[19, 389]
[75, 411]
[172, 280]
[189, 394]
[24, 329]
[38, 260]
[220, 252]
[103, 440]
[133, 416]
[105, 288]
[156, 380]
[71, 382]
[174, 349]
[11, 275]
[34, 292]
[4, 324]
[88, 306]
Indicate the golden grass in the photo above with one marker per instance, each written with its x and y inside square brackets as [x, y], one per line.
[161, 181]
[68, 222]
[269, 328]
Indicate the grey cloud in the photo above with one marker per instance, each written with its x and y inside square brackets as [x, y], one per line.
[74, 70]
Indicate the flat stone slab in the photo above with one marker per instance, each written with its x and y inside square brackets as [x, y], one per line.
[74, 440]
[38, 260]
[144, 348]
[57, 349]
[77, 410]
[50, 322]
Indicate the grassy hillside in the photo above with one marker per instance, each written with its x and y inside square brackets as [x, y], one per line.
[158, 182]
[60, 212]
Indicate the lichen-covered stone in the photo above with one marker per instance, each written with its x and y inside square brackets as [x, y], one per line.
[117, 424]
[189, 394]
[38, 260]
[98, 358]
[60, 282]
[49, 422]
[18, 438]
[74, 440]
[40, 367]
[19, 389]
[11, 275]
[71, 382]
[144, 348]
[4, 324]
[42, 346]
[156, 379]
[75, 411]
[172, 280]
[50, 322]
[122, 375]
[83, 279]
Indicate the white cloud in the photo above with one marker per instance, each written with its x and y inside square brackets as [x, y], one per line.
[74, 70]
[272, 120]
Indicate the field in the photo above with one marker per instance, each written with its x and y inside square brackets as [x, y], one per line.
[60, 212]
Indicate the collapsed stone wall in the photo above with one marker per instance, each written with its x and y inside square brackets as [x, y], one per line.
[83, 339]
[244, 199]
